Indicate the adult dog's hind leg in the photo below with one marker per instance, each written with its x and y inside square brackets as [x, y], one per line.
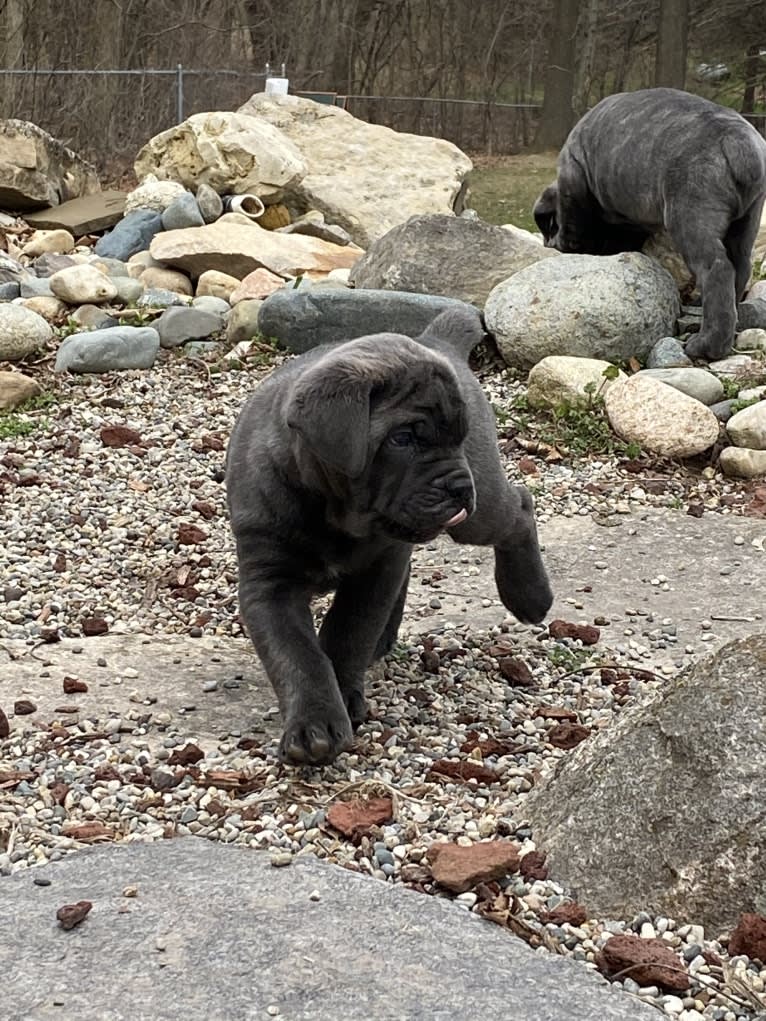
[739, 241]
[364, 606]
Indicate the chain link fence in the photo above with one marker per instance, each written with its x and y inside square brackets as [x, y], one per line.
[106, 116]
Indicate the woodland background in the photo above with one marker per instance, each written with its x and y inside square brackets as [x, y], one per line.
[530, 67]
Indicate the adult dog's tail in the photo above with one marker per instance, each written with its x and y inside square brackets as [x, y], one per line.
[461, 328]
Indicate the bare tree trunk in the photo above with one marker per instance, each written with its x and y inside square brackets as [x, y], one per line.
[557, 115]
[672, 33]
[587, 33]
[753, 67]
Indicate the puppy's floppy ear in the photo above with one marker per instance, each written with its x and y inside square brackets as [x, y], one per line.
[330, 408]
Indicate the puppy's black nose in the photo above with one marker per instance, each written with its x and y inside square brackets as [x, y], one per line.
[461, 488]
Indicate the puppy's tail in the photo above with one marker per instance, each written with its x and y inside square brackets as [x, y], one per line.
[460, 328]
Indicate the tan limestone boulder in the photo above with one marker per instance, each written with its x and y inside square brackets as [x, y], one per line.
[232, 152]
[36, 170]
[237, 248]
[661, 419]
[364, 177]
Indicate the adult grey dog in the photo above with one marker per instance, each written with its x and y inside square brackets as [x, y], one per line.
[342, 460]
[640, 161]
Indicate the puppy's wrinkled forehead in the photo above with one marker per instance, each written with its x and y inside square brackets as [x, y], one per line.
[412, 381]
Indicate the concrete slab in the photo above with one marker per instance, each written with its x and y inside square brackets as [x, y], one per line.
[82, 216]
[168, 673]
[216, 932]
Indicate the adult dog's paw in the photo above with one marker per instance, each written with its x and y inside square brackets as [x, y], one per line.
[356, 704]
[316, 740]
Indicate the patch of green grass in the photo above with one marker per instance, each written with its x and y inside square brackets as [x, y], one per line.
[739, 405]
[584, 430]
[566, 658]
[23, 421]
[504, 189]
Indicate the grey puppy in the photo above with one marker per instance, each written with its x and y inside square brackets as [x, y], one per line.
[640, 161]
[342, 460]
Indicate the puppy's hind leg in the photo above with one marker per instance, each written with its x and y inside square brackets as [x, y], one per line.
[391, 630]
[739, 241]
[365, 606]
[699, 239]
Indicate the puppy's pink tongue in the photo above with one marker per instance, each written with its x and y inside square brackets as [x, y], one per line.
[460, 516]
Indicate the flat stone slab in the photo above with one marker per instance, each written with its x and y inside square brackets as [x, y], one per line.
[82, 216]
[217, 932]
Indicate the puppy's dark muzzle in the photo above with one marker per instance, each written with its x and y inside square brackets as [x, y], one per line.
[461, 490]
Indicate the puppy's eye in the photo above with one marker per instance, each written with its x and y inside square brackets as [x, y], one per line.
[402, 437]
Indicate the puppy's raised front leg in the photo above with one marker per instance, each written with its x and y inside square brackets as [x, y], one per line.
[359, 621]
[278, 619]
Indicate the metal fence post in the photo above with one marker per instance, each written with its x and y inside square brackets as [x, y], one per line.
[180, 92]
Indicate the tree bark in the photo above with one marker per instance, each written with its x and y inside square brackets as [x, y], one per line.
[672, 34]
[557, 115]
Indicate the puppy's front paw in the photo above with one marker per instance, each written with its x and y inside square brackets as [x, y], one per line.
[707, 349]
[316, 739]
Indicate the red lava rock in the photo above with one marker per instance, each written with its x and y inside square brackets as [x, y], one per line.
[59, 564]
[67, 710]
[23, 707]
[87, 832]
[567, 735]
[553, 712]
[74, 686]
[119, 436]
[5, 727]
[488, 745]
[749, 937]
[695, 510]
[527, 466]
[532, 866]
[190, 535]
[71, 915]
[566, 914]
[205, 508]
[516, 672]
[210, 441]
[459, 868]
[93, 626]
[650, 962]
[587, 633]
[354, 818]
[756, 508]
[186, 756]
[464, 770]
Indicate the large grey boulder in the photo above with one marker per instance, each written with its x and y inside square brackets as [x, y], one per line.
[216, 932]
[364, 177]
[665, 810]
[132, 234]
[36, 170]
[232, 152]
[588, 306]
[302, 319]
[109, 350]
[449, 255]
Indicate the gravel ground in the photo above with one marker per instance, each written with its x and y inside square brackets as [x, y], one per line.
[134, 539]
